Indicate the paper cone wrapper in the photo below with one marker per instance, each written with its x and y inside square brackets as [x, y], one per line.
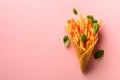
[83, 57]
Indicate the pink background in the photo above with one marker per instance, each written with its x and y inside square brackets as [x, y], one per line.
[31, 34]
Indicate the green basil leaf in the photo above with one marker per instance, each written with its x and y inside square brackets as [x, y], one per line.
[83, 37]
[90, 16]
[99, 54]
[96, 27]
[94, 21]
[74, 11]
[66, 41]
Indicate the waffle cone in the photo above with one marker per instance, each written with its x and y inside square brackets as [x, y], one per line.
[84, 56]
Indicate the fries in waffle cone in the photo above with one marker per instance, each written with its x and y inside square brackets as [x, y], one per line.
[83, 33]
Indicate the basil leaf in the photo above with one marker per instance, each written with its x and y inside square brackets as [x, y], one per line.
[96, 27]
[66, 41]
[74, 11]
[83, 37]
[99, 54]
[90, 16]
[94, 21]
